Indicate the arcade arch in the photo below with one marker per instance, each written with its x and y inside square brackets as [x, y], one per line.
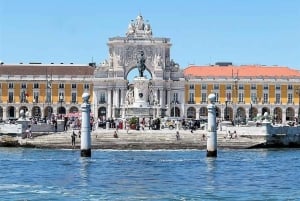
[177, 112]
[73, 109]
[290, 114]
[253, 113]
[203, 112]
[11, 111]
[62, 110]
[191, 113]
[48, 111]
[264, 110]
[277, 114]
[102, 113]
[36, 112]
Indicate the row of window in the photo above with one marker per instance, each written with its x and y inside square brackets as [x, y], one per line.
[254, 98]
[36, 97]
[37, 86]
[240, 86]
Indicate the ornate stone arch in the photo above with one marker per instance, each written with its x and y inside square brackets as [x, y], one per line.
[133, 67]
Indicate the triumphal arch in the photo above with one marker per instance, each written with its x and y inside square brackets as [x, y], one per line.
[156, 91]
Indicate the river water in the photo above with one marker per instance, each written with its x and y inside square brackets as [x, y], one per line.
[42, 174]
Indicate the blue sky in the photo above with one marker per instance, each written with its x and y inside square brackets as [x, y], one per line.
[201, 31]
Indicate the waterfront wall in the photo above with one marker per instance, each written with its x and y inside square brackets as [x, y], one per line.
[271, 135]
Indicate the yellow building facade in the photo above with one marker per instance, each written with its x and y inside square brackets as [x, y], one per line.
[243, 92]
[43, 90]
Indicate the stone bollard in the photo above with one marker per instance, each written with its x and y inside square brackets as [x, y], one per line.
[212, 127]
[85, 126]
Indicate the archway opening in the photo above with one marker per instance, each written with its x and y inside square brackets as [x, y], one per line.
[277, 117]
[175, 110]
[191, 113]
[11, 112]
[290, 114]
[48, 112]
[134, 72]
[102, 113]
[36, 112]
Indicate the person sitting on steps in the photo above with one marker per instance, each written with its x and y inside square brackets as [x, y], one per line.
[116, 134]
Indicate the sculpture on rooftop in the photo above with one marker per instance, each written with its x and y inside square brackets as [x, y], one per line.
[139, 28]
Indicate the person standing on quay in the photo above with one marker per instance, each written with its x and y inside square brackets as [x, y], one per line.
[73, 137]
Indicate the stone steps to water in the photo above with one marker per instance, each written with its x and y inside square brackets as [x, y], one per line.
[139, 139]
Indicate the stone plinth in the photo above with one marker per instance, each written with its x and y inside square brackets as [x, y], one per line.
[141, 92]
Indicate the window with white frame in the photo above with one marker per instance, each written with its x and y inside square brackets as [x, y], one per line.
[102, 97]
[290, 98]
[36, 95]
[253, 97]
[23, 96]
[74, 86]
[277, 98]
[204, 86]
[253, 86]
[175, 97]
[10, 97]
[277, 86]
[61, 85]
[217, 96]
[228, 86]
[266, 98]
[23, 86]
[228, 96]
[241, 86]
[74, 95]
[290, 87]
[203, 97]
[10, 85]
[61, 96]
[266, 86]
[86, 86]
[191, 97]
[35, 85]
[216, 86]
[241, 97]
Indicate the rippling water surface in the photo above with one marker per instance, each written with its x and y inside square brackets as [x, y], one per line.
[34, 174]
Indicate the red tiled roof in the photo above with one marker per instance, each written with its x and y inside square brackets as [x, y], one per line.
[242, 71]
[40, 69]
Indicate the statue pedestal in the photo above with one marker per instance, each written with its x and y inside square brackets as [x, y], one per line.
[141, 92]
[140, 106]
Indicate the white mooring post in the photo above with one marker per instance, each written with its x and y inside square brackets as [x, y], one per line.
[211, 127]
[85, 126]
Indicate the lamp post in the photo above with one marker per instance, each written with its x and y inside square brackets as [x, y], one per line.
[298, 92]
[61, 99]
[251, 111]
[226, 112]
[174, 103]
